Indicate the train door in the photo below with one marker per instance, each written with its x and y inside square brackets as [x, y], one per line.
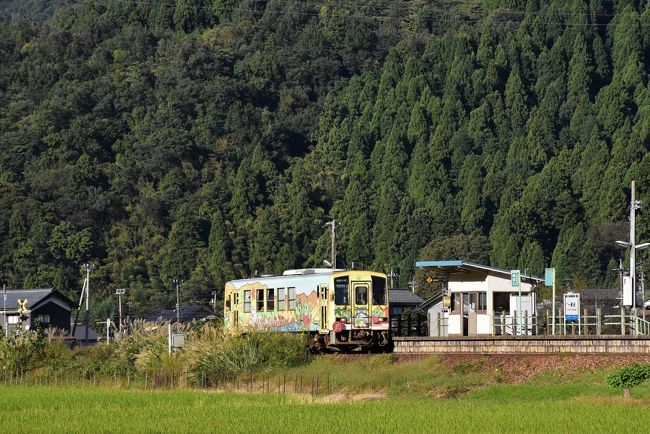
[235, 310]
[322, 295]
[360, 310]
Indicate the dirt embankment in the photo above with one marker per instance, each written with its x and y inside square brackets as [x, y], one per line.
[519, 368]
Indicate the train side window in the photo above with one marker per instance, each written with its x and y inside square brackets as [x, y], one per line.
[282, 301]
[260, 300]
[378, 290]
[247, 301]
[341, 291]
[292, 298]
[236, 297]
[270, 299]
[228, 303]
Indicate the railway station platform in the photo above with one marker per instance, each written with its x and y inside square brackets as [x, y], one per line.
[523, 345]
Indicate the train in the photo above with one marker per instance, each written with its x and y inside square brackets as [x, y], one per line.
[340, 310]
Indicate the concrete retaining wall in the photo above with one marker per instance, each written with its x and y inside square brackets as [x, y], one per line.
[524, 345]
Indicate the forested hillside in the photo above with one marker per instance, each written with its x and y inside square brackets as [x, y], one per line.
[209, 140]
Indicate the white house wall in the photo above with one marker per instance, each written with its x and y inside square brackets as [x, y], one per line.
[503, 284]
[471, 281]
[455, 326]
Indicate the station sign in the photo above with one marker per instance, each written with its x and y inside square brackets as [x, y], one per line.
[515, 278]
[572, 306]
[549, 276]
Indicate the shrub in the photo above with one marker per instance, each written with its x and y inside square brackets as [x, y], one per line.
[217, 356]
[629, 376]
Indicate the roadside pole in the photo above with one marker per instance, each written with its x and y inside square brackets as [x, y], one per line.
[515, 280]
[4, 309]
[553, 302]
[549, 280]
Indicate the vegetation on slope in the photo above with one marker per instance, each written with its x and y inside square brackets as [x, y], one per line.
[209, 140]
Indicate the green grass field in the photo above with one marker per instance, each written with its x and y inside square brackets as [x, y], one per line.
[521, 408]
[364, 395]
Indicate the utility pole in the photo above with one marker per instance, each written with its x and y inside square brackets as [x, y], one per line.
[120, 292]
[333, 257]
[392, 276]
[85, 296]
[87, 267]
[634, 205]
[177, 282]
[4, 308]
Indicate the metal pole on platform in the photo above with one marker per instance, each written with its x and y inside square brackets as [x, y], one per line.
[4, 309]
[553, 328]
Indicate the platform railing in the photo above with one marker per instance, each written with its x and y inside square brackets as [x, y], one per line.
[596, 323]
[514, 325]
[589, 323]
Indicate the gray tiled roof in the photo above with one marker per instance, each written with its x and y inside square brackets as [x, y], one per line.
[404, 296]
[187, 314]
[33, 296]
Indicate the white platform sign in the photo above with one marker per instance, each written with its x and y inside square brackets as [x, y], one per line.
[572, 306]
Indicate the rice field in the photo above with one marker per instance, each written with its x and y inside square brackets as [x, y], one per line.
[374, 394]
[506, 408]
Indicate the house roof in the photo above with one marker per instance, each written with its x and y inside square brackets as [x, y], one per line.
[404, 296]
[35, 298]
[456, 265]
[432, 301]
[80, 333]
[187, 314]
[601, 293]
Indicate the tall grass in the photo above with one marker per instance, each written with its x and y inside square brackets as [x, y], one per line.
[209, 356]
[218, 356]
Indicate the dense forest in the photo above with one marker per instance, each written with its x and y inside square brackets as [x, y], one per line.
[212, 139]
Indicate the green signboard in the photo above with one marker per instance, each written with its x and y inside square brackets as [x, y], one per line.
[515, 278]
[549, 276]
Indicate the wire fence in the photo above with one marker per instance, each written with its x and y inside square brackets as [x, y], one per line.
[282, 383]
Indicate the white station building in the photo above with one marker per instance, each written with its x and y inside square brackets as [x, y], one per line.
[481, 300]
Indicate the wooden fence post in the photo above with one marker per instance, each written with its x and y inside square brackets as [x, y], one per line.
[598, 322]
[548, 325]
[408, 323]
[525, 324]
[622, 321]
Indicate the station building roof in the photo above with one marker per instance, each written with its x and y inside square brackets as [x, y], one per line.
[460, 266]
